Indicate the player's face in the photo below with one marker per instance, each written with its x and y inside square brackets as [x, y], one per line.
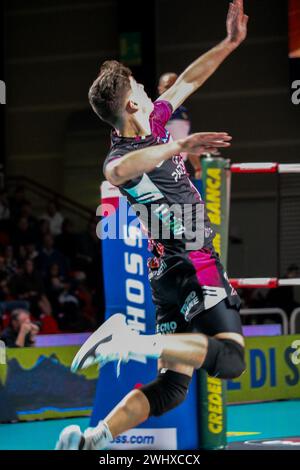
[140, 97]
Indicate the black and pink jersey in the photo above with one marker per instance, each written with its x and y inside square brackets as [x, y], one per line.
[166, 186]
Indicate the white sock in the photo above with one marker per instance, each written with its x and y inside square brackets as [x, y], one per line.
[97, 438]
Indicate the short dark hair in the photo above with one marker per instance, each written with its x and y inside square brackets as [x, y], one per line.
[108, 91]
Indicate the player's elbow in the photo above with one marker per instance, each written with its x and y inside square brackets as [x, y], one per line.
[116, 175]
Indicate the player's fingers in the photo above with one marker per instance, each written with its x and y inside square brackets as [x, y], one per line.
[230, 11]
[218, 144]
[215, 141]
[213, 135]
[245, 20]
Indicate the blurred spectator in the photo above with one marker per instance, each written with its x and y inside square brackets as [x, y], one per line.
[16, 202]
[70, 316]
[42, 230]
[86, 299]
[49, 256]
[21, 255]
[4, 206]
[90, 254]
[3, 268]
[67, 242]
[55, 284]
[28, 286]
[90, 261]
[7, 301]
[23, 234]
[21, 332]
[54, 218]
[10, 260]
[31, 251]
[26, 211]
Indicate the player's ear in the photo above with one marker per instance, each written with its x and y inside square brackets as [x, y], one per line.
[132, 107]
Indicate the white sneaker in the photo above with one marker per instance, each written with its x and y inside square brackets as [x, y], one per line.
[111, 342]
[71, 438]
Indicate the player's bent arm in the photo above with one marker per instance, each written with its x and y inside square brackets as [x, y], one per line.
[136, 163]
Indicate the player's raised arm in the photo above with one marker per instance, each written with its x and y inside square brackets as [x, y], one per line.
[145, 160]
[200, 70]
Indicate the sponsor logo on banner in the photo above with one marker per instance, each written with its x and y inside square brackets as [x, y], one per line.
[135, 281]
[158, 439]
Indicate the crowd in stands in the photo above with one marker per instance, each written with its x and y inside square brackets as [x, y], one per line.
[49, 274]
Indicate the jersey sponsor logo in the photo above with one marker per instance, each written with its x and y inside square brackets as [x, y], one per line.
[166, 328]
[191, 300]
[160, 269]
[180, 168]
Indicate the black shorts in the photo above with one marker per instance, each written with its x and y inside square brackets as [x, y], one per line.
[188, 289]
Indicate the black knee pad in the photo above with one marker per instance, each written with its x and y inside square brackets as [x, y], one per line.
[224, 359]
[166, 392]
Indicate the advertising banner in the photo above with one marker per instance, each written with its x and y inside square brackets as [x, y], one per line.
[36, 383]
[273, 371]
[216, 192]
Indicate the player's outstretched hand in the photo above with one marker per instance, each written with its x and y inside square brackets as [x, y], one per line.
[205, 142]
[236, 23]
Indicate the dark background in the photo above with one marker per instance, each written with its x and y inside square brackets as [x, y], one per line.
[53, 52]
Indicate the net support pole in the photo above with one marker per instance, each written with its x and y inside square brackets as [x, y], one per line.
[212, 391]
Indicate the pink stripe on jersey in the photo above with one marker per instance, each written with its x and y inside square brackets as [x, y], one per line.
[206, 268]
